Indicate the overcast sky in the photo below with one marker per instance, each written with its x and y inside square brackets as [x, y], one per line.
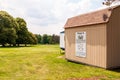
[48, 16]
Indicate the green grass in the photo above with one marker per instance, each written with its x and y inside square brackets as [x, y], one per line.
[43, 62]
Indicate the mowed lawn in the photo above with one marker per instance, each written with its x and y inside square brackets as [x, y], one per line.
[44, 62]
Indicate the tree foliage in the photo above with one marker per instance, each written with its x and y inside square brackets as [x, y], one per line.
[8, 28]
[47, 39]
[32, 39]
[39, 38]
[24, 36]
[22, 31]
[14, 31]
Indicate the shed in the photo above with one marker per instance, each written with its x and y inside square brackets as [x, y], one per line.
[62, 40]
[94, 38]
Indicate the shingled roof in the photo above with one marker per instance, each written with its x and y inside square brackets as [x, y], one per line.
[97, 17]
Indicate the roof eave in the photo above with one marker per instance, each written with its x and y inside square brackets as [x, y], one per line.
[66, 27]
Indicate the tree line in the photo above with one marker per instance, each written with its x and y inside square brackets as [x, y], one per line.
[47, 39]
[14, 31]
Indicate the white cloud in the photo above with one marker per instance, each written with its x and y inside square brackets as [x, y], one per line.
[47, 16]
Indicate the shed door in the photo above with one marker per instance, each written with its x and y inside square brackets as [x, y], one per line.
[80, 44]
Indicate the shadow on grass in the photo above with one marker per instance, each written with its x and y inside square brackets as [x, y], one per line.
[111, 69]
[62, 51]
[16, 46]
[116, 69]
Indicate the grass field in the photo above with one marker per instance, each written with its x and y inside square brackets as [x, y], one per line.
[44, 62]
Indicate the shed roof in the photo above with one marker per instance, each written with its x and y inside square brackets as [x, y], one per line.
[97, 17]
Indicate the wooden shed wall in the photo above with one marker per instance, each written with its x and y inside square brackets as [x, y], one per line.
[96, 44]
[113, 39]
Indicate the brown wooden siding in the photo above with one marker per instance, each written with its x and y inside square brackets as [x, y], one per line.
[113, 39]
[96, 44]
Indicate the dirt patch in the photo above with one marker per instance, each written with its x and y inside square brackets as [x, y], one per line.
[62, 57]
[92, 78]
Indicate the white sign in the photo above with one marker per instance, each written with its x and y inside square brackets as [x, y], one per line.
[81, 44]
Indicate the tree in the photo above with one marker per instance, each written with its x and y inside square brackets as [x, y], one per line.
[8, 28]
[14, 31]
[32, 39]
[49, 39]
[45, 39]
[39, 38]
[55, 39]
[22, 31]
[109, 2]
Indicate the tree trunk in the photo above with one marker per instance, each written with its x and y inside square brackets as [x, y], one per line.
[3, 45]
[14, 45]
[25, 45]
[18, 45]
[10, 45]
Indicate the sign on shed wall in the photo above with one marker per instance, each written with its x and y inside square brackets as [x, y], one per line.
[80, 44]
